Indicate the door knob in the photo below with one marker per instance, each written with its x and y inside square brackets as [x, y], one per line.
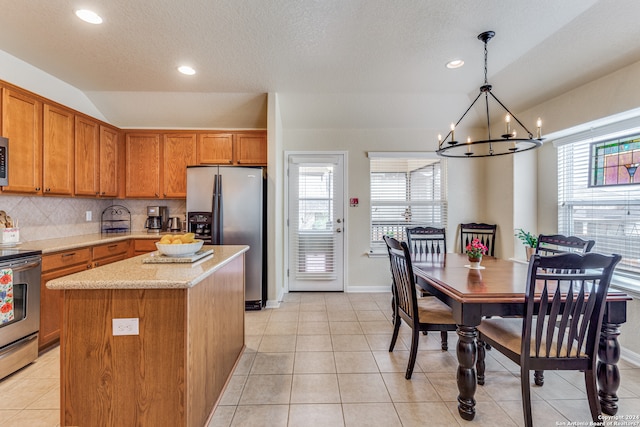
[338, 230]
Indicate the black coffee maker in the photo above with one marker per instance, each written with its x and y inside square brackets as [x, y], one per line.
[156, 219]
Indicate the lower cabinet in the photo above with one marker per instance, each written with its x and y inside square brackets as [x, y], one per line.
[110, 252]
[142, 246]
[56, 265]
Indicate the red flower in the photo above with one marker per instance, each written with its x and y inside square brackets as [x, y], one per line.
[476, 249]
[6, 279]
[6, 308]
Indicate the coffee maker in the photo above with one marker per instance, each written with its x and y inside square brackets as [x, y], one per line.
[156, 219]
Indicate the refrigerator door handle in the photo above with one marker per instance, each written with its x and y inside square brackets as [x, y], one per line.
[215, 224]
[220, 218]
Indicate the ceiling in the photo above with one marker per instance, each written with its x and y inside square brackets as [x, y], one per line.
[333, 63]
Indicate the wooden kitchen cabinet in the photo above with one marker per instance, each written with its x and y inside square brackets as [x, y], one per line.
[246, 148]
[142, 246]
[110, 252]
[58, 151]
[215, 148]
[109, 152]
[142, 171]
[179, 151]
[251, 148]
[87, 157]
[57, 265]
[22, 122]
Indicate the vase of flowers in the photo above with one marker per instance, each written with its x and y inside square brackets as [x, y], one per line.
[475, 250]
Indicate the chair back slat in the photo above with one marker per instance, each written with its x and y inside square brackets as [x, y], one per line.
[570, 290]
[485, 233]
[404, 287]
[423, 241]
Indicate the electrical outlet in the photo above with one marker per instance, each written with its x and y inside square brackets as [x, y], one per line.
[87, 215]
[125, 326]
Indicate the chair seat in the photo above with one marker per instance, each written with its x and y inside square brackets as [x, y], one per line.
[432, 310]
[508, 332]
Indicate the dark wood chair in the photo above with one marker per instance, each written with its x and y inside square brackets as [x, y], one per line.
[486, 233]
[425, 314]
[549, 244]
[564, 306]
[553, 244]
[423, 241]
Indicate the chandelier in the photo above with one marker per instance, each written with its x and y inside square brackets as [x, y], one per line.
[508, 143]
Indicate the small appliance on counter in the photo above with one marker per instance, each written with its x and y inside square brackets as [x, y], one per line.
[175, 224]
[157, 218]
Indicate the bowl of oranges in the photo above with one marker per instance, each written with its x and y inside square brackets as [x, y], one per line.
[179, 245]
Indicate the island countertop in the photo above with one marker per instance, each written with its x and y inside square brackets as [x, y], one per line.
[132, 273]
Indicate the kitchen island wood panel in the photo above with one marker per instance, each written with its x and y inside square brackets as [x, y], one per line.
[191, 334]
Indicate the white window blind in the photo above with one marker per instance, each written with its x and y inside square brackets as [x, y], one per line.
[405, 192]
[609, 215]
[313, 239]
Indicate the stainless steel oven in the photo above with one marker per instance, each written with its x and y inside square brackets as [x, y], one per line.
[20, 272]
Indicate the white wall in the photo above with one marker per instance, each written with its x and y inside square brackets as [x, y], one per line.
[462, 179]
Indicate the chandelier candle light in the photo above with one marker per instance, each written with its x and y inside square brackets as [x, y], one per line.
[508, 143]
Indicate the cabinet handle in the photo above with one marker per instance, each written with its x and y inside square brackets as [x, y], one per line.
[47, 190]
[69, 254]
[37, 188]
[112, 247]
[230, 161]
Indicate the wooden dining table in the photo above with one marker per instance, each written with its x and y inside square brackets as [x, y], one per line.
[498, 289]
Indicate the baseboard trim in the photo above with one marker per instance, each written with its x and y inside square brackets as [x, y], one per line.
[371, 289]
[630, 357]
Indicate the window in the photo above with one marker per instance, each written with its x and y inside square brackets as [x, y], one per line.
[596, 196]
[405, 192]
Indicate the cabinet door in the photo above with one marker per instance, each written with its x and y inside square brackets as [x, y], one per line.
[108, 162]
[179, 152]
[57, 150]
[215, 148]
[142, 165]
[51, 302]
[251, 149]
[22, 124]
[86, 157]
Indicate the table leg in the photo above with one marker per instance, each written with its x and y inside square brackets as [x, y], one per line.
[466, 375]
[607, 368]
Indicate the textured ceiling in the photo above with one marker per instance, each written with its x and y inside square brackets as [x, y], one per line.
[334, 63]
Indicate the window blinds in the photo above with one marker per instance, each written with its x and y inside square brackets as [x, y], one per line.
[405, 192]
[609, 215]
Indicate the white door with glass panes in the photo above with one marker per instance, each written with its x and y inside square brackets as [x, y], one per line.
[316, 226]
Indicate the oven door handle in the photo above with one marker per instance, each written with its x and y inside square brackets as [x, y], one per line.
[26, 265]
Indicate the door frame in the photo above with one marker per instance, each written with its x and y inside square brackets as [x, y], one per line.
[346, 224]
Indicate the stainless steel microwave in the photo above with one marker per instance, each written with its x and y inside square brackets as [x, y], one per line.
[4, 161]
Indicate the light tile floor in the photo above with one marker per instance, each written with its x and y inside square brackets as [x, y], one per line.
[322, 359]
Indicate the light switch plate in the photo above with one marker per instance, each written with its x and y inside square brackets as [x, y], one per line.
[125, 326]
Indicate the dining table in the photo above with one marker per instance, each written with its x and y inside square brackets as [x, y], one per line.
[498, 288]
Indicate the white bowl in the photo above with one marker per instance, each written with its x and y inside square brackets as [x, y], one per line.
[183, 250]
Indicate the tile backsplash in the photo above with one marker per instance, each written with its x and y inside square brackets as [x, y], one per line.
[42, 218]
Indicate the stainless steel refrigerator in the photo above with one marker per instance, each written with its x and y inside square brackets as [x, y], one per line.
[226, 206]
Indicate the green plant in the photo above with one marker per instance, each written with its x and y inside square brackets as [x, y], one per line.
[527, 238]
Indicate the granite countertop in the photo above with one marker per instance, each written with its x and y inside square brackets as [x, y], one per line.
[75, 242]
[132, 273]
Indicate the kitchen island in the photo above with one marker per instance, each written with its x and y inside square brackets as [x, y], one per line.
[150, 344]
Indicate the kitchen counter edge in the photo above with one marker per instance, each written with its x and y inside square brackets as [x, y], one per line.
[48, 246]
[132, 273]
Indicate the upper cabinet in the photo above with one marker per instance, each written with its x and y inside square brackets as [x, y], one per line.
[22, 124]
[58, 151]
[87, 157]
[109, 152]
[179, 151]
[96, 159]
[246, 148]
[142, 171]
[251, 148]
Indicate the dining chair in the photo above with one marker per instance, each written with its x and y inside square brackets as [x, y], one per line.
[425, 314]
[486, 233]
[564, 306]
[551, 244]
[423, 241]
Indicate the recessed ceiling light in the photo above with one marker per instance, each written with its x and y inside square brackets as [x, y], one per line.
[456, 63]
[185, 69]
[89, 16]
